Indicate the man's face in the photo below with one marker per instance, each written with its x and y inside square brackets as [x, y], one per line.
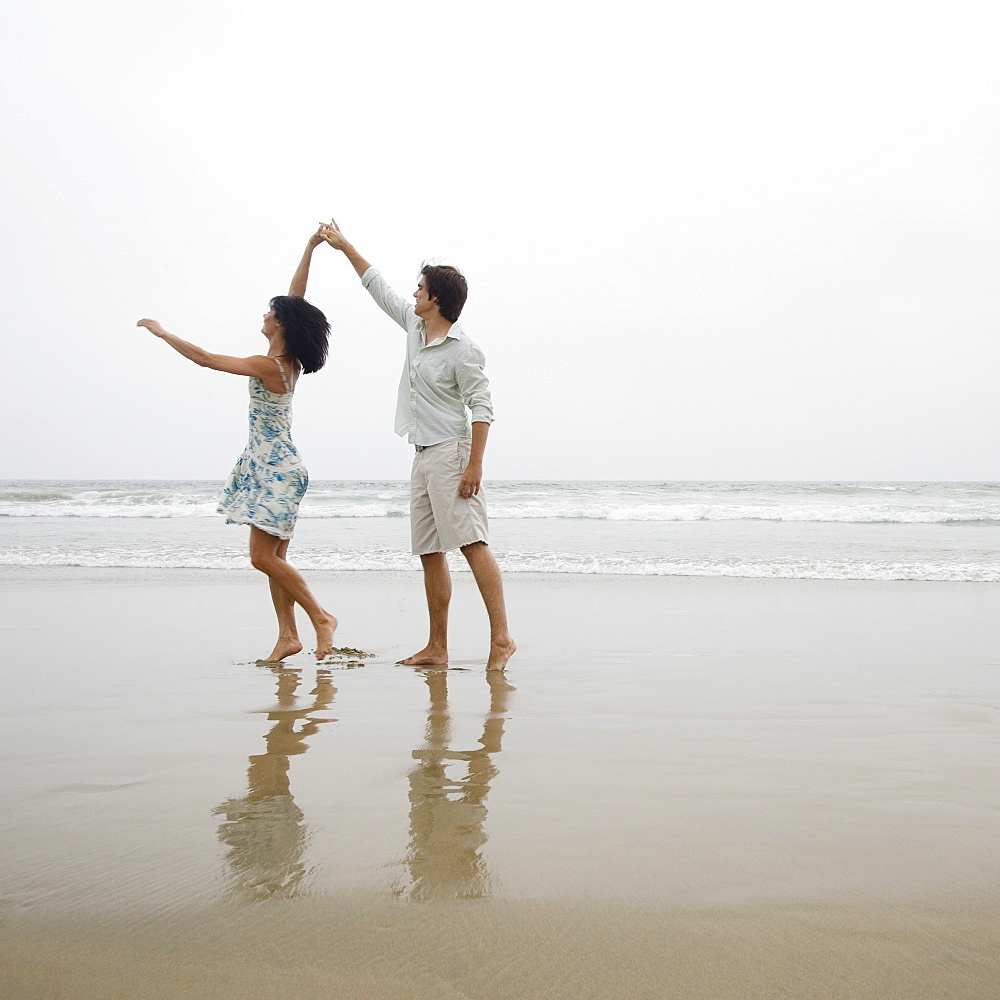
[424, 304]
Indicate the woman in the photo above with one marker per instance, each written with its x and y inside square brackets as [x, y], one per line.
[269, 480]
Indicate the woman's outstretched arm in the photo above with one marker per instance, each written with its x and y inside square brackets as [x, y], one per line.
[258, 365]
[301, 277]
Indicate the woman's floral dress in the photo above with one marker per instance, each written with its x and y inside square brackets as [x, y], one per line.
[269, 479]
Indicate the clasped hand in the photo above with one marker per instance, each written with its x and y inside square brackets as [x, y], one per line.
[329, 232]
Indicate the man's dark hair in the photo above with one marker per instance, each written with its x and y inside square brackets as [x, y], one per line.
[446, 284]
[306, 331]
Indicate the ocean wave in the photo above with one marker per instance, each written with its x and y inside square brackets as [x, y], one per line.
[187, 509]
[105, 510]
[525, 562]
[224, 559]
[887, 503]
[500, 511]
[818, 513]
[775, 569]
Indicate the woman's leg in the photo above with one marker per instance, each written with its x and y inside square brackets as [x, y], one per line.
[288, 588]
[284, 608]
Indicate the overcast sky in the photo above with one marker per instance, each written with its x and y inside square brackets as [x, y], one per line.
[716, 240]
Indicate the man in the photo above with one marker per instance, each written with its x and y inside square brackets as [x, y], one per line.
[443, 385]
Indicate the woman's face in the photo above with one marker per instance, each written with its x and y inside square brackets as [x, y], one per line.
[271, 325]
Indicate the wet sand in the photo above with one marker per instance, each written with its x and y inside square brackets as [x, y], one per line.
[684, 787]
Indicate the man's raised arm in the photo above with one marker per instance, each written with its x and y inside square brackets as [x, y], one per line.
[332, 234]
[387, 299]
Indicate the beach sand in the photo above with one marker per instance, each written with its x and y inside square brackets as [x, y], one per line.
[683, 788]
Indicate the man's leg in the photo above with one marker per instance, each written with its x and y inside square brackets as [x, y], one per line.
[487, 573]
[437, 586]
[437, 579]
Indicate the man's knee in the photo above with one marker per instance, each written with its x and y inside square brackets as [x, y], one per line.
[477, 553]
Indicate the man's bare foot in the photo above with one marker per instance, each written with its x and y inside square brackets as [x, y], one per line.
[500, 653]
[282, 648]
[324, 635]
[429, 656]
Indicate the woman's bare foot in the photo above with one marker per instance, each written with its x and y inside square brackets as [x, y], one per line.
[325, 627]
[285, 646]
[500, 653]
[429, 656]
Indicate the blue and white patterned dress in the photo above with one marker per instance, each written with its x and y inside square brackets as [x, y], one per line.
[269, 479]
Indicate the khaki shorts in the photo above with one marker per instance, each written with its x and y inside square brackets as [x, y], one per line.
[439, 518]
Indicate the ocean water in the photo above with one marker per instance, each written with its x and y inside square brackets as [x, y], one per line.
[839, 531]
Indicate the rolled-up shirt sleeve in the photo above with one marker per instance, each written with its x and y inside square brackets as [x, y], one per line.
[474, 387]
[387, 298]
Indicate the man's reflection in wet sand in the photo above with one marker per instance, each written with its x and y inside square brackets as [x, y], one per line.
[264, 828]
[447, 811]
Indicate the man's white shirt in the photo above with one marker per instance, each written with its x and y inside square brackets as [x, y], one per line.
[443, 388]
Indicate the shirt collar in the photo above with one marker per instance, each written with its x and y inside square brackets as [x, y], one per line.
[455, 332]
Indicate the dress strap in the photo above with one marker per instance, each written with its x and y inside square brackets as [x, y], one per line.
[281, 368]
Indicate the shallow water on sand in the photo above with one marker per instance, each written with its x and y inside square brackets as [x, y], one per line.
[713, 743]
[718, 788]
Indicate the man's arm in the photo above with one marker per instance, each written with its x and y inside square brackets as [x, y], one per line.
[301, 277]
[331, 233]
[472, 478]
[387, 299]
[474, 388]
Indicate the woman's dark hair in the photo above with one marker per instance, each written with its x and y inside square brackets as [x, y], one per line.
[306, 331]
[446, 284]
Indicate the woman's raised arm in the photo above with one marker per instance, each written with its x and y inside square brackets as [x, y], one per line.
[301, 277]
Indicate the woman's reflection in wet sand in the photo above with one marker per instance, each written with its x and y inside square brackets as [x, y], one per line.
[447, 812]
[264, 829]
